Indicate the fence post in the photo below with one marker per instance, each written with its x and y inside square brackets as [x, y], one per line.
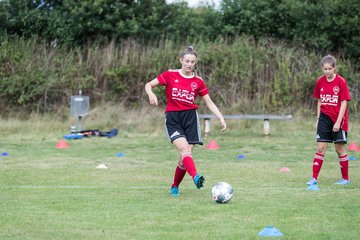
[207, 126]
[266, 127]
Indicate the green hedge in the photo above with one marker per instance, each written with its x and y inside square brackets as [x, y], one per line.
[323, 25]
[244, 75]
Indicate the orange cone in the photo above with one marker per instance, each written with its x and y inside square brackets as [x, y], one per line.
[62, 144]
[353, 147]
[284, 169]
[212, 145]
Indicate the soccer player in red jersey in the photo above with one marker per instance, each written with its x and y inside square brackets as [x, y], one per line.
[182, 86]
[332, 93]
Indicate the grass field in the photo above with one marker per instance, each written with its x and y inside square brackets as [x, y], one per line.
[49, 193]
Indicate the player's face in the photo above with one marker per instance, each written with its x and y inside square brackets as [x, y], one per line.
[188, 63]
[329, 71]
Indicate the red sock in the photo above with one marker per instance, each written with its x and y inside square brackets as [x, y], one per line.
[344, 166]
[180, 172]
[189, 165]
[318, 161]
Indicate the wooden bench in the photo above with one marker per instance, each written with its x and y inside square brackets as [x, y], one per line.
[266, 119]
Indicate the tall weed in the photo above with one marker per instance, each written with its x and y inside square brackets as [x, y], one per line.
[243, 76]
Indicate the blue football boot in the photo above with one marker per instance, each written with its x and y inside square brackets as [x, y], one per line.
[199, 181]
[343, 182]
[175, 191]
[312, 181]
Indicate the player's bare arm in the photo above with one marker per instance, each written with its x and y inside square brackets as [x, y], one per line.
[337, 124]
[148, 88]
[214, 109]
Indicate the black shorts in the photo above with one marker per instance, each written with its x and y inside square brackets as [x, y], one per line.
[325, 132]
[183, 124]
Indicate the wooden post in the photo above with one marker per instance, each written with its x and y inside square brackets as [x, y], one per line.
[207, 126]
[266, 127]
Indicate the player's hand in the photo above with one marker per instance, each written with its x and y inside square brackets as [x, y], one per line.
[336, 127]
[223, 125]
[153, 100]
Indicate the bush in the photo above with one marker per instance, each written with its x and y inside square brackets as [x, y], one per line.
[244, 75]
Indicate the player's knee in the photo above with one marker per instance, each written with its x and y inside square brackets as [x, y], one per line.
[340, 149]
[321, 149]
[185, 153]
[185, 150]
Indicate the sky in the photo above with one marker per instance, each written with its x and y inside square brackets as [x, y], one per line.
[194, 3]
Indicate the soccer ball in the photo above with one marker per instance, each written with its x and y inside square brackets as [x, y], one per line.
[222, 192]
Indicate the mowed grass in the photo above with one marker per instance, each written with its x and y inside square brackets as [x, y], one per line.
[49, 193]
